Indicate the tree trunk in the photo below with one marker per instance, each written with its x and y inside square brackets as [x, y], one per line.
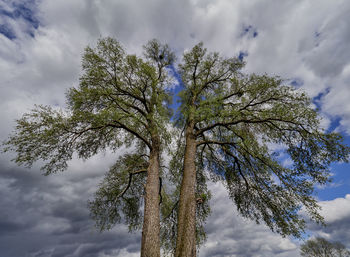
[186, 231]
[150, 245]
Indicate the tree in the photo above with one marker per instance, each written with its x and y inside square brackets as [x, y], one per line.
[320, 247]
[231, 121]
[121, 100]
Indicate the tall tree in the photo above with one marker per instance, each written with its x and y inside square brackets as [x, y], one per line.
[231, 121]
[120, 101]
[320, 247]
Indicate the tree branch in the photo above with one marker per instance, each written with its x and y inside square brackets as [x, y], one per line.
[121, 125]
[205, 142]
[121, 194]
[238, 165]
[257, 121]
[160, 191]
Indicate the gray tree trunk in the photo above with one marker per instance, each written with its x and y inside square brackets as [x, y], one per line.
[150, 245]
[186, 232]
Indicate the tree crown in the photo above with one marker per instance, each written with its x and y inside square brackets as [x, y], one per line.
[237, 118]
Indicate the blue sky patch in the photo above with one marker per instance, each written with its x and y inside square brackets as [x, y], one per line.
[241, 55]
[20, 11]
[335, 122]
[176, 90]
[317, 38]
[340, 184]
[6, 13]
[7, 31]
[249, 31]
[317, 99]
[297, 82]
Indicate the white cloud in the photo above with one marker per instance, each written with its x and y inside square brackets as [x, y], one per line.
[337, 218]
[231, 235]
[336, 209]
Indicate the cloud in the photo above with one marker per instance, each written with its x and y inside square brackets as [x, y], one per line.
[41, 44]
[337, 217]
[48, 216]
[18, 18]
[331, 209]
[231, 235]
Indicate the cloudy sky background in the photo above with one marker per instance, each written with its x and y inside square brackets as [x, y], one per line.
[41, 44]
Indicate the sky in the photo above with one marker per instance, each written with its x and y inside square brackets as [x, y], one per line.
[41, 44]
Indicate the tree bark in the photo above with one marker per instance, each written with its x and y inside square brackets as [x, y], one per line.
[186, 231]
[150, 245]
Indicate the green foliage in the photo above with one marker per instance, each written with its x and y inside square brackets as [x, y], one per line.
[120, 193]
[42, 134]
[320, 247]
[121, 100]
[238, 119]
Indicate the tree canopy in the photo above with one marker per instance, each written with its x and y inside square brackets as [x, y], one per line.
[320, 247]
[232, 122]
[120, 101]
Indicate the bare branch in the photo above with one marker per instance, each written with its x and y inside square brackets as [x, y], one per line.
[238, 165]
[247, 121]
[160, 191]
[132, 131]
[121, 194]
